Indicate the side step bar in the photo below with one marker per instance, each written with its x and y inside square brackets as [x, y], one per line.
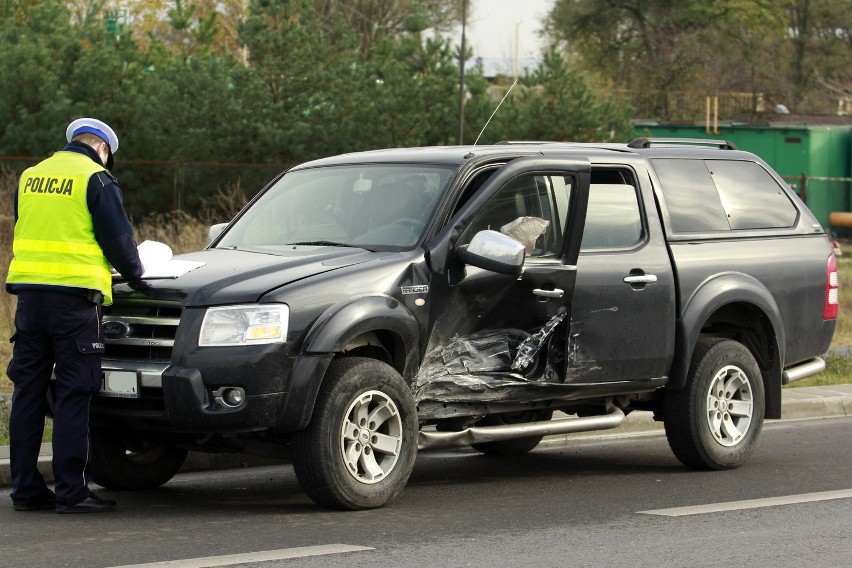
[479, 434]
[803, 370]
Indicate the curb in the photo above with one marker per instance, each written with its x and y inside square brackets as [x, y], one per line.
[812, 402]
[797, 403]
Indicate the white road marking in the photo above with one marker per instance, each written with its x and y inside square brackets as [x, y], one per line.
[751, 503]
[263, 556]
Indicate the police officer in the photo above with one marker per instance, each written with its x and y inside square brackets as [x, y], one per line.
[70, 225]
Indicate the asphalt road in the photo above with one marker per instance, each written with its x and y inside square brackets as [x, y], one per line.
[582, 505]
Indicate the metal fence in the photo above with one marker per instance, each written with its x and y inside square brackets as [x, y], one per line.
[825, 196]
[689, 106]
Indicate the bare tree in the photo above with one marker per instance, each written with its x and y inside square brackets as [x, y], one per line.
[796, 52]
[369, 18]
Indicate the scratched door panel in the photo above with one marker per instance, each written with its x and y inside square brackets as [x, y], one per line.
[622, 326]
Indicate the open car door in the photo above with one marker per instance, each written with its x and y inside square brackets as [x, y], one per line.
[500, 328]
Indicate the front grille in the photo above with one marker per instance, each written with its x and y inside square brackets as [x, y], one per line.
[144, 330]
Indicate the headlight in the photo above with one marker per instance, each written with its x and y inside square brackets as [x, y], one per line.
[244, 325]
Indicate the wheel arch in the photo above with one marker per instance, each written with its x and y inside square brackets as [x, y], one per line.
[375, 327]
[739, 307]
[368, 326]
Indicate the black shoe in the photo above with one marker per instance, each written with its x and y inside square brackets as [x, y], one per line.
[46, 501]
[91, 504]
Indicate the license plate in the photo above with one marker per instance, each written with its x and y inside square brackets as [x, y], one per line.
[120, 384]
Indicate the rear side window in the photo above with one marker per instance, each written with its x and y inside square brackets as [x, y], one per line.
[722, 195]
[692, 201]
[751, 197]
[613, 219]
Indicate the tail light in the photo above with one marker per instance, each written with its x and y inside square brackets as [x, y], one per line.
[832, 291]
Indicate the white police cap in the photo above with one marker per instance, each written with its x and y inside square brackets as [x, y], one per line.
[93, 126]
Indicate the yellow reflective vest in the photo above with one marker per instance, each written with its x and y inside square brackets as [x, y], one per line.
[54, 236]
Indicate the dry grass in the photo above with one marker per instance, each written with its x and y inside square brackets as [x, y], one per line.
[5, 406]
[184, 232]
[179, 230]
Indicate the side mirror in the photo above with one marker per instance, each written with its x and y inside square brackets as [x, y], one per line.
[215, 231]
[494, 251]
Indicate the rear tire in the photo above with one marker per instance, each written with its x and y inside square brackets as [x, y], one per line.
[359, 448]
[115, 464]
[714, 422]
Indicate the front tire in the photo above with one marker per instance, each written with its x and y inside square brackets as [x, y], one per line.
[359, 449]
[714, 422]
[117, 464]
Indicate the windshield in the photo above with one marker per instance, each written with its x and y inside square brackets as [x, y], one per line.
[368, 206]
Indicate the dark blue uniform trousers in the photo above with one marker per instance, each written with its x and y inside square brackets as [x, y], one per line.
[65, 330]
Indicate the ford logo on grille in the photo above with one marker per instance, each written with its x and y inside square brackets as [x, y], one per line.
[115, 329]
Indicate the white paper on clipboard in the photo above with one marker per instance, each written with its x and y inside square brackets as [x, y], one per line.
[157, 259]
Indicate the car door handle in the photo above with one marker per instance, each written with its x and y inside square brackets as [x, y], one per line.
[641, 279]
[555, 293]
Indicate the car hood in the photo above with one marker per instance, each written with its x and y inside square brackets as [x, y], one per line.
[237, 276]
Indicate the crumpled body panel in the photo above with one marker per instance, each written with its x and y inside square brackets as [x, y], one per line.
[503, 365]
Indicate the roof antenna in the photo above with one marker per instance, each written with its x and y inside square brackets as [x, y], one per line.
[495, 111]
[517, 43]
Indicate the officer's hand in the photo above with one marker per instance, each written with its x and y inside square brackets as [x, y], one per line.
[140, 286]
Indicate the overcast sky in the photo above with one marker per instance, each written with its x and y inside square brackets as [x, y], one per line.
[491, 27]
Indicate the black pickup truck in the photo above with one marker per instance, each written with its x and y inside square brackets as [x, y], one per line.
[366, 305]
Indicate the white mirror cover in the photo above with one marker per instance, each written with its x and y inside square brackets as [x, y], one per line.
[498, 247]
[215, 231]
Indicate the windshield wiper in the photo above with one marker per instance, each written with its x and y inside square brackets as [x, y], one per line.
[323, 244]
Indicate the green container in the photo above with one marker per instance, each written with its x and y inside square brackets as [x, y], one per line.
[792, 151]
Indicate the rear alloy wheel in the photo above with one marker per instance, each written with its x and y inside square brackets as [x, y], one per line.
[359, 449]
[714, 422]
[730, 406]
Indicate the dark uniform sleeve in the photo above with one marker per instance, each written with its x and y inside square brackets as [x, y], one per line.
[112, 227]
